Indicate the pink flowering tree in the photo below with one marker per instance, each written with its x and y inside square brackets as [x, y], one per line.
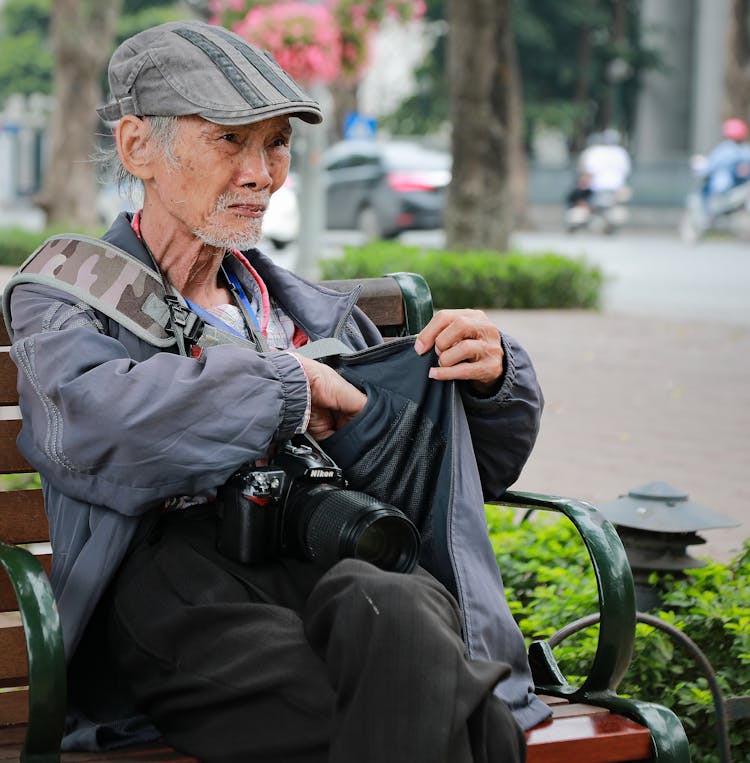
[329, 42]
[302, 37]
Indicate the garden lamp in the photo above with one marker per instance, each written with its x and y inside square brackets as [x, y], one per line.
[656, 523]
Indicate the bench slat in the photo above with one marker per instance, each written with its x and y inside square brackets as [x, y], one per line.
[8, 378]
[13, 666]
[8, 601]
[142, 754]
[11, 461]
[592, 737]
[14, 710]
[380, 298]
[22, 517]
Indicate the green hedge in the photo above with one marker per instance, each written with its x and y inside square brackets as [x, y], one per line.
[550, 583]
[488, 280]
[16, 244]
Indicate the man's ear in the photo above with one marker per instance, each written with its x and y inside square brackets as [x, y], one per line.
[133, 146]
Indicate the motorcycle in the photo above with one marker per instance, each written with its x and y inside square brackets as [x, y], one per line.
[727, 212]
[600, 212]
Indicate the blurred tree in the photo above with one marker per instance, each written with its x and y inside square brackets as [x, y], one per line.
[580, 64]
[61, 47]
[82, 35]
[738, 61]
[26, 60]
[25, 55]
[478, 212]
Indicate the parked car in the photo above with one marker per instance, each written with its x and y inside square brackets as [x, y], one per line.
[281, 220]
[383, 188]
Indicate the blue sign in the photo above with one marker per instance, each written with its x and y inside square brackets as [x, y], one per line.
[359, 126]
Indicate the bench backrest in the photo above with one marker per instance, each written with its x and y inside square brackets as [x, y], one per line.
[22, 517]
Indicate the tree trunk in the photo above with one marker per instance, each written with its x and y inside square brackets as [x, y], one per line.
[581, 91]
[738, 62]
[518, 170]
[478, 212]
[344, 100]
[82, 35]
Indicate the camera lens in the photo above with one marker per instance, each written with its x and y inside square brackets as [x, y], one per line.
[386, 542]
[331, 524]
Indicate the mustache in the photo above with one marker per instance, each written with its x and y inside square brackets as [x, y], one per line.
[229, 199]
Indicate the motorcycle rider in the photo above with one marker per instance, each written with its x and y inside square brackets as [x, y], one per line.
[728, 164]
[606, 162]
[601, 184]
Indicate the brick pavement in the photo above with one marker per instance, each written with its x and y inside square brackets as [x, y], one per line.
[630, 400]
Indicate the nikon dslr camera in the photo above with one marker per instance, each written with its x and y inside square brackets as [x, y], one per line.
[299, 506]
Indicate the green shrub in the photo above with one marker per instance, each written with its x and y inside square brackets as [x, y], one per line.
[19, 481]
[488, 280]
[16, 244]
[554, 585]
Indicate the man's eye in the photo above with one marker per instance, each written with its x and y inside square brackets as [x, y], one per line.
[230, 137]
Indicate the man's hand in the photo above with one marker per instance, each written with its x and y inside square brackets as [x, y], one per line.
[334, 401]
[468, 347]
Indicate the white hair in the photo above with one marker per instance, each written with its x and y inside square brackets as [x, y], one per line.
[161, 138]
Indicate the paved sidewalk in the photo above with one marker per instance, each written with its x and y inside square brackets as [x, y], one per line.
[630, 400]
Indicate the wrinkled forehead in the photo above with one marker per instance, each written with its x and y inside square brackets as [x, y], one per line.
[280, 124]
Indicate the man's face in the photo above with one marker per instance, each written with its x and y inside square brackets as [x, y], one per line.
[219, 183]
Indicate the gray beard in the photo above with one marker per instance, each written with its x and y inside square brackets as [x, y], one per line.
[228, 241]
[223, 239]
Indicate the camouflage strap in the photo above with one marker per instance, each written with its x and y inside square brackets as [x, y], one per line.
[103, 276]
[117, 284]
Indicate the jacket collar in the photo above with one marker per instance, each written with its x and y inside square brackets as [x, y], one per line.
[320, 312]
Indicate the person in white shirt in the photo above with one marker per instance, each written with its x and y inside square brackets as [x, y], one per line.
[606, 162]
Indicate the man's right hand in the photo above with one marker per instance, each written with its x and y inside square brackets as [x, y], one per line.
[334, 401]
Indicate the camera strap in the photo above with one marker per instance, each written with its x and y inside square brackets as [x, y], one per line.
[321, 349]
[117, 284]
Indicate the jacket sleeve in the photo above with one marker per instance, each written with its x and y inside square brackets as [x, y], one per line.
[504, 427]
[127, 433]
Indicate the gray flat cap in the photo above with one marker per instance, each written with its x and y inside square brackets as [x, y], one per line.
[189, 67]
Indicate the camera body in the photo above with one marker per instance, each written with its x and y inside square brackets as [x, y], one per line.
[299, 506]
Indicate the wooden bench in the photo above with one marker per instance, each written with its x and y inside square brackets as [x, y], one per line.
[590, 724]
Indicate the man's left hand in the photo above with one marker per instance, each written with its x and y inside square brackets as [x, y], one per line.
[468, 347]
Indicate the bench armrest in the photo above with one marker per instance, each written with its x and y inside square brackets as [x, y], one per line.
[45, 654]
[617, 619]
[614, 581]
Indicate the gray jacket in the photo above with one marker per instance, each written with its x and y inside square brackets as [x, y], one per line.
[115, 427]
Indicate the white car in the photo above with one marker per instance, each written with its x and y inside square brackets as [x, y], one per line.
[281, 221]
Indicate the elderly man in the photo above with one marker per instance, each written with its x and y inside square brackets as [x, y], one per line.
[166, 635]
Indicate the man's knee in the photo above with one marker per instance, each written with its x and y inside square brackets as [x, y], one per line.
[358, 590]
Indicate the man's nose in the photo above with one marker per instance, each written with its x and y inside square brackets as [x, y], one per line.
[255, 171]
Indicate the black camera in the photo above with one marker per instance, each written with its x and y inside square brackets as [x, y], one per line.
[299, 506]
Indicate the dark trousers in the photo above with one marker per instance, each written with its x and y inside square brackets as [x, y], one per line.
[282, 662]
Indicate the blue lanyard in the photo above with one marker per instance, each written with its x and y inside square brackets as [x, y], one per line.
[207, 317]
[239, 292]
